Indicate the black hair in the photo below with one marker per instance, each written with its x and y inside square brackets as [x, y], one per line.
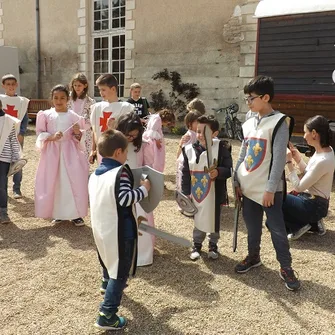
[59, 88]
[321, 125]
[260, 85]
[129, 122]
[111, 140]
[211, 121]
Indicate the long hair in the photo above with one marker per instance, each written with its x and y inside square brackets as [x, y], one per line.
[321, 125]
[83, 80]
[129, 122]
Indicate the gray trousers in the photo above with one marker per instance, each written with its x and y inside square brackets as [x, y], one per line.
[199, 236]
[253, 218]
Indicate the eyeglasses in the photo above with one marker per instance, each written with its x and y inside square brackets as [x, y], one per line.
[250, 98]
[131, 137]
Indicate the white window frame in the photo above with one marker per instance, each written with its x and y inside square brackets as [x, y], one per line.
[109, 33]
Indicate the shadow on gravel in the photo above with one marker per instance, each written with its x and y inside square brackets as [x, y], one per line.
[268, 280]
[35, 242]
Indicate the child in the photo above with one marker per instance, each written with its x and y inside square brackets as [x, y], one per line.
[139, 154]
[196, 104]
[190, 137]
[61, 178]
[105, 113]
[114, 227]
[207, 189]
[9, 152]
[154, 136]
[258, 176]
[142, 107]
[17, 107]
[81, 103]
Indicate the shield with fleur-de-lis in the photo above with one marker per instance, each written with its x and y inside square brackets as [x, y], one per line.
[256, 150]
[200, 185]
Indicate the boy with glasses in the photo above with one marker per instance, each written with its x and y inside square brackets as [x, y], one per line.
[259, 177]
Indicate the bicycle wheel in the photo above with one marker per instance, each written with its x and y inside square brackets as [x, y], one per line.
[229, 128]
[238, 129]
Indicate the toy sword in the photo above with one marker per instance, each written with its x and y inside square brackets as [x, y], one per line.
[160, 233]
[238, 205]
[211, 164]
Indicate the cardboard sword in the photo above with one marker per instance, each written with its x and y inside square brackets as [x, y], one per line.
[160, 233]
[238, 205]
[211, 164]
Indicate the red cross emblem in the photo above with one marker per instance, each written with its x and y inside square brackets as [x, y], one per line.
[10, 110]
[104, 119]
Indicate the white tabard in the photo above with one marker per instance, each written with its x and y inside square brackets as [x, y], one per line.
[104, 218]
[253, 173]
[202, 188]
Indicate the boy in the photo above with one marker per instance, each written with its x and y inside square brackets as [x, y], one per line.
[105, 113]
[207, 189]
[258, 177]
[9, 152]
[142, 107]
[17, 107]
[114, 227]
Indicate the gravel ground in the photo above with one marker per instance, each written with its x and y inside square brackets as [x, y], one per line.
[50, 276]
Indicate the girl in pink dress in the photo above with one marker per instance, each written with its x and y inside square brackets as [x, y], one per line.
[61, 180]
[139, 154]
[154, 136]
[81, 103]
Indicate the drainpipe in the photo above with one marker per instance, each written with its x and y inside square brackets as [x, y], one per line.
[38, 50]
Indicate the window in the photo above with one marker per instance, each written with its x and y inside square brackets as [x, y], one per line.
[109, 40]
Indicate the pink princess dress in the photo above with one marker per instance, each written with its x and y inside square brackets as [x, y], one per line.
[152, 134]
[146, 241]
[61, 190]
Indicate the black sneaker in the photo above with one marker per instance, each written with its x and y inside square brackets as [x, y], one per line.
[291, 281]
[78, 222]
[112, 323]
[318, 228]
[247, 264]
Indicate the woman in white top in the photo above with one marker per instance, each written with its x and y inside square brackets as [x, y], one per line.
[309, 205]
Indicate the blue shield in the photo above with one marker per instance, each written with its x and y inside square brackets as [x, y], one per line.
[200, 185]
[256, 150]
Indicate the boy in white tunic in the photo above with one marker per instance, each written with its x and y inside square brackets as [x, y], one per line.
[259, 178]
[114, 227]
[207, 189]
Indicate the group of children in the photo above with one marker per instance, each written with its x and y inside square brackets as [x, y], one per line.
[77, 131]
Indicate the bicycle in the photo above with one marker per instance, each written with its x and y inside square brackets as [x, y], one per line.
[232, 125]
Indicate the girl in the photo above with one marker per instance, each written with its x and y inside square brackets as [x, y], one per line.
[81, 103]
[190, 137]
[61, 178]
[154, 136]
[305, 210]
[139, 154]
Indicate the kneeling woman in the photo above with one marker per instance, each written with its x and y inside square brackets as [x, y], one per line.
[304, 210]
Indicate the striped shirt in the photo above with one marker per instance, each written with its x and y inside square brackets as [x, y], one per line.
[11, 150]
[127, 195]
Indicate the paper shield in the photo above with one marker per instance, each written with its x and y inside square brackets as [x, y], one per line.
[16, 166]
[156, 179]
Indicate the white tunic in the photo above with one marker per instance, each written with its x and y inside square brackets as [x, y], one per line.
[202, 188]
[253, 173]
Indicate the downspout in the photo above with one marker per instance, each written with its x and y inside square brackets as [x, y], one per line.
[38, 50]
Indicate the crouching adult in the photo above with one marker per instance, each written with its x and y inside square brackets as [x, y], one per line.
[308, 204]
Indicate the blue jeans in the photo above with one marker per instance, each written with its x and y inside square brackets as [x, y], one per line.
[115, 287]
[17, 179]
[253, 218]
[4, 168]
[303, 209]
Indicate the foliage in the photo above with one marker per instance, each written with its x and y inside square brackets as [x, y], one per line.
[180, 94]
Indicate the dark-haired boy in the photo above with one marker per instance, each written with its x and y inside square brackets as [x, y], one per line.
[207, 189]
[17, 107]
[114, 227]
[259, 177]
[105, 113]
[9, 152]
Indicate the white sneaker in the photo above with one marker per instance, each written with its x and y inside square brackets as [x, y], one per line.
[213, 254]
[195, 254]
[299, 233]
